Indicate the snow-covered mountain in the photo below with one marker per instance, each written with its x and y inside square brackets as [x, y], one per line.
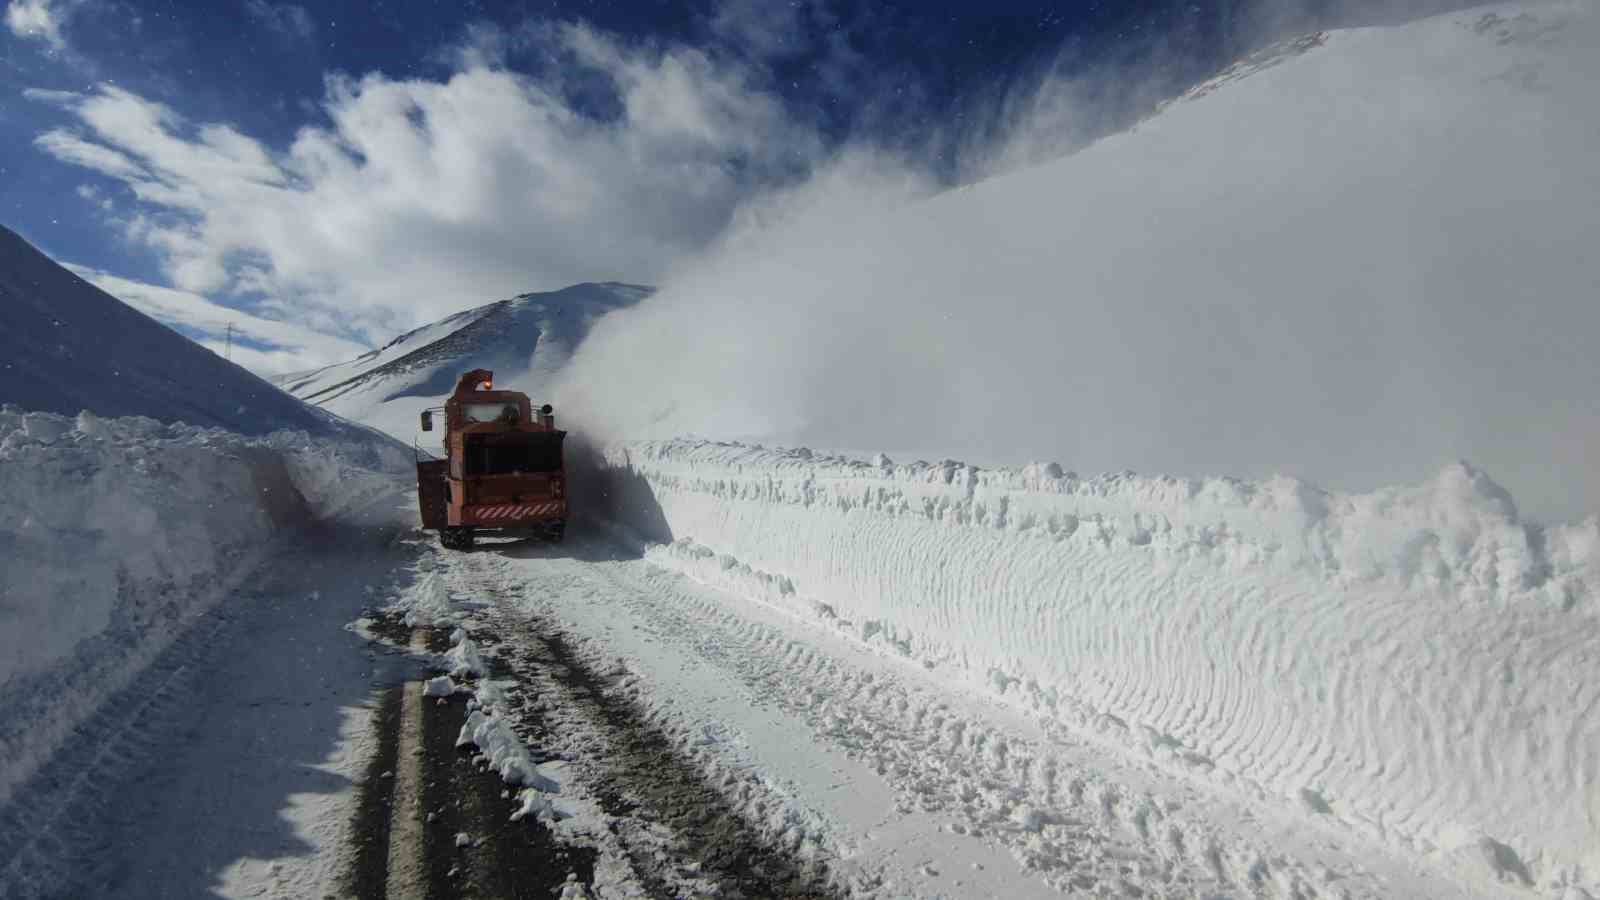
[525, 340]
[67, 346]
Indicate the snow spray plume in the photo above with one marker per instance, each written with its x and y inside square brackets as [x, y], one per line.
[1351, 260]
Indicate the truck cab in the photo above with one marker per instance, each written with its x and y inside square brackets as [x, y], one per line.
[503, 468]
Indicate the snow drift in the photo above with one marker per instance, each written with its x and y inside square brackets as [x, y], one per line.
[1417, 662]
[119, 533]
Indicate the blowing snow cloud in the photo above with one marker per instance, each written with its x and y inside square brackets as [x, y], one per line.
[1354, 260]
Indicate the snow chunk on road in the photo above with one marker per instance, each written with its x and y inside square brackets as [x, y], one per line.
[443, 686]
[1027, 818]
[427, 603]
[503, 750]
[490, 731]
[574, 890]
[543, 806]
[465, 660]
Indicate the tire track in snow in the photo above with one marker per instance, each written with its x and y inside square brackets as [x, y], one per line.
[503, 857]
[50, 832]
[432, 820]
[648, 785]
[1407, 656]
[367, 865]
[407, 869]
[1076, 828]
[1103, 841]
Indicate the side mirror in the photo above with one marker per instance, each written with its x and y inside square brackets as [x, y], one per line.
[546, 410]
[427, 420]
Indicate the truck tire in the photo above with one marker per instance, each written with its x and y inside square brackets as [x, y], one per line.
[557, 532]
[456, 537]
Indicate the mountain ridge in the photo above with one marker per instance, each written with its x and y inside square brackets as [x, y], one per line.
[69, 346]
[524, 339]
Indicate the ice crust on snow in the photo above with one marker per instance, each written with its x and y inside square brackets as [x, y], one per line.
[1417, 659]
[121, 531]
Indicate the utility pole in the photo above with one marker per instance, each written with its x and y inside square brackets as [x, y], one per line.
[227, 347]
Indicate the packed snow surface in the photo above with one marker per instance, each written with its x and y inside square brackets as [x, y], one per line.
[882, 777]
[120, 532]
[1417, 663]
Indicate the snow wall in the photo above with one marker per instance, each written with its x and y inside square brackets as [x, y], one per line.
[1416, 662]
[119, 533]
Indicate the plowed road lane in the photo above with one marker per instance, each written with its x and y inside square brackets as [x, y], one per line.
[703, 743]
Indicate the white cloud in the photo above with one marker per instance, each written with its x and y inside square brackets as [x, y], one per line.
[68, 147]
[265, 363]
[44, 95]
[419, 197]
[93, 194]
[285, 18]
[289, 346]
[41, 19]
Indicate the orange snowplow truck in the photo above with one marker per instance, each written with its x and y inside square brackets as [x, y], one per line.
[502, 470]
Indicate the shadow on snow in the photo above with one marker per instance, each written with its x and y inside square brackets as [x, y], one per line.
[217, 761]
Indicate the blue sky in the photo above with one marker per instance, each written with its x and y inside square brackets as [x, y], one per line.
[325, 175]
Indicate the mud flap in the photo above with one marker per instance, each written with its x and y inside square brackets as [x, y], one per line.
[433, 495]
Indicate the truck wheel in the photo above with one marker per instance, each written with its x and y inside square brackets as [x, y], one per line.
[467, 538]
[557, 533]
[456, 537]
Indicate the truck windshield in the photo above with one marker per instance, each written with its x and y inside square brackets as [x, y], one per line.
[488, 412]
[511, 454]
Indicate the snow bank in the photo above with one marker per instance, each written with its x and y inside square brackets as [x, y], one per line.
[119, 533]
[1417, 662]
